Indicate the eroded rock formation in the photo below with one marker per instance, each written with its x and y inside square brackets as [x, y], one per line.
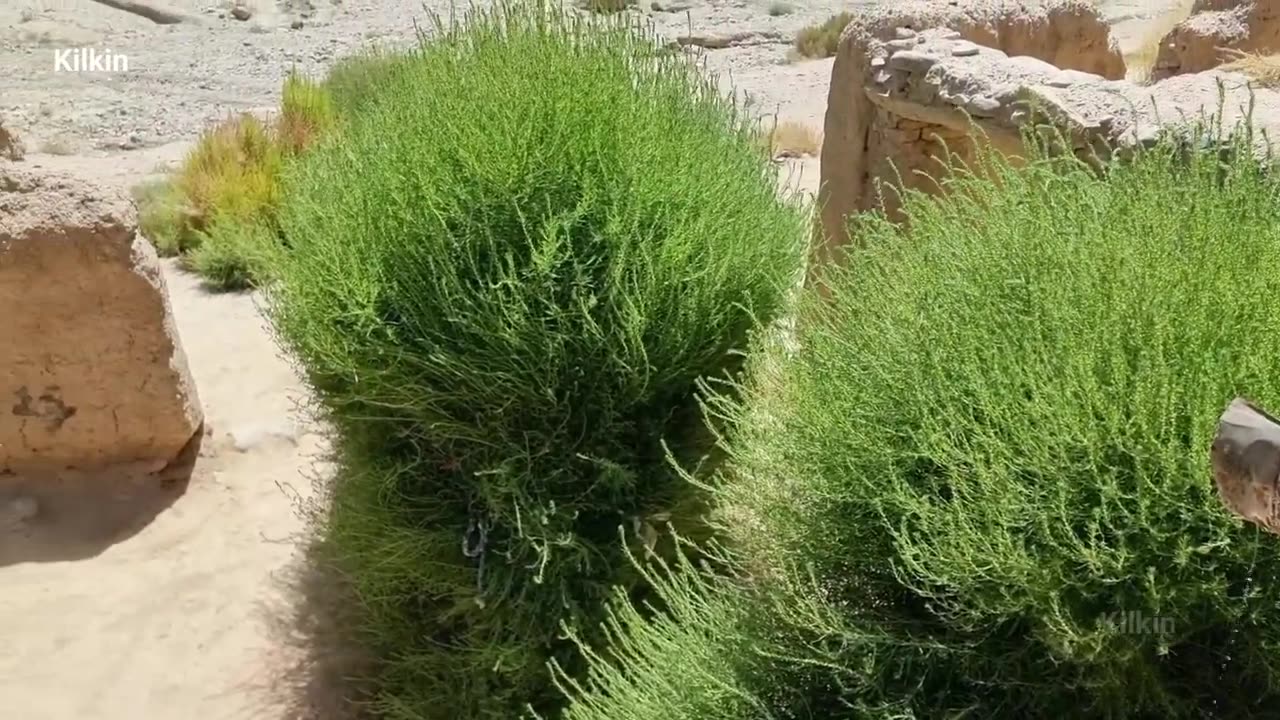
[1245, 457]
[1215, 28]
[868, 123]
[92, 375]
[898, 106]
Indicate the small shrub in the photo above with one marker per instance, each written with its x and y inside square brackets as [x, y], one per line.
[552, 236]
[821, 40]
[1262, 69]
[788, 138]
[778, 9]
[163, 217]
[306, 112]
[235, 254]
[233, 172]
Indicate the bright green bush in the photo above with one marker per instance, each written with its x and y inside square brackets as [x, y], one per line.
[989, 462]
[235, 254]
[505, 286]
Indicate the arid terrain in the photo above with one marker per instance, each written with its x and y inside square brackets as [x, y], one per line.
[183, 619]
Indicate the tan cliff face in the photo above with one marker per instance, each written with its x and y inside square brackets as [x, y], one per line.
[92, 374]
[868, 132]
[903, 98]
[1215, 30]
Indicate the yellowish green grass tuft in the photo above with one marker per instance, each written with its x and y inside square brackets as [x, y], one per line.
[220, 209]
[1263, 69]
[789, 138]
[821, 40]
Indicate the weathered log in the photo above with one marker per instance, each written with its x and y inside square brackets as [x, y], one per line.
[1245, 457]
[161, 16]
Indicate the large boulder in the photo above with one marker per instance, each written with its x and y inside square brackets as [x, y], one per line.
[1062, 34]
[1215, 31]
[900, 108]
[92, 375]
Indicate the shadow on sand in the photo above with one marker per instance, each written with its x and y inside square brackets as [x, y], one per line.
[75, 516]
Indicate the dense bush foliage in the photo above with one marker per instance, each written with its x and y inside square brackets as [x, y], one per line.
[981, 488]
[358, 81]
[505, 283]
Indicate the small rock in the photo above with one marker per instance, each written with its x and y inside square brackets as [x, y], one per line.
[877, 63]
[1005, 93]
[240, 12]
[903, 33]
[982, 106]
[250, 437]
[1032, 64]
[964, 49]
[1149, 135]
[912, 61]
[295, 25]
[1067, 78]
[947, 34]
[900, 45]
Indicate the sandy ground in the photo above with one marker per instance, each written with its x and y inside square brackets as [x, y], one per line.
[181, 619]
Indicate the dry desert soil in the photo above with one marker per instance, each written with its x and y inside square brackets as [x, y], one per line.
[188, 617]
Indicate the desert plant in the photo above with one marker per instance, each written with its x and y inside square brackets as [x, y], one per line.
[163, 216]
[553, 234]
[789, 138]
[306, 112]
[778, 9]
[233, 174]
[235, 254]
[1263, 69]
[821, 40]
[233, 171]
[989, 461]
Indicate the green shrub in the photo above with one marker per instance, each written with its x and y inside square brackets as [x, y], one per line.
[306, 112]
[548, 238]
[991, 458]
[235, 254]
[163, 217]
[233, 172]
[823, 39]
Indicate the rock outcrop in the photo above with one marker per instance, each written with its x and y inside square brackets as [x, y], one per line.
[866, 119]
[1245, 457]
[897, 107]
[1215, 28]
[92, 374]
